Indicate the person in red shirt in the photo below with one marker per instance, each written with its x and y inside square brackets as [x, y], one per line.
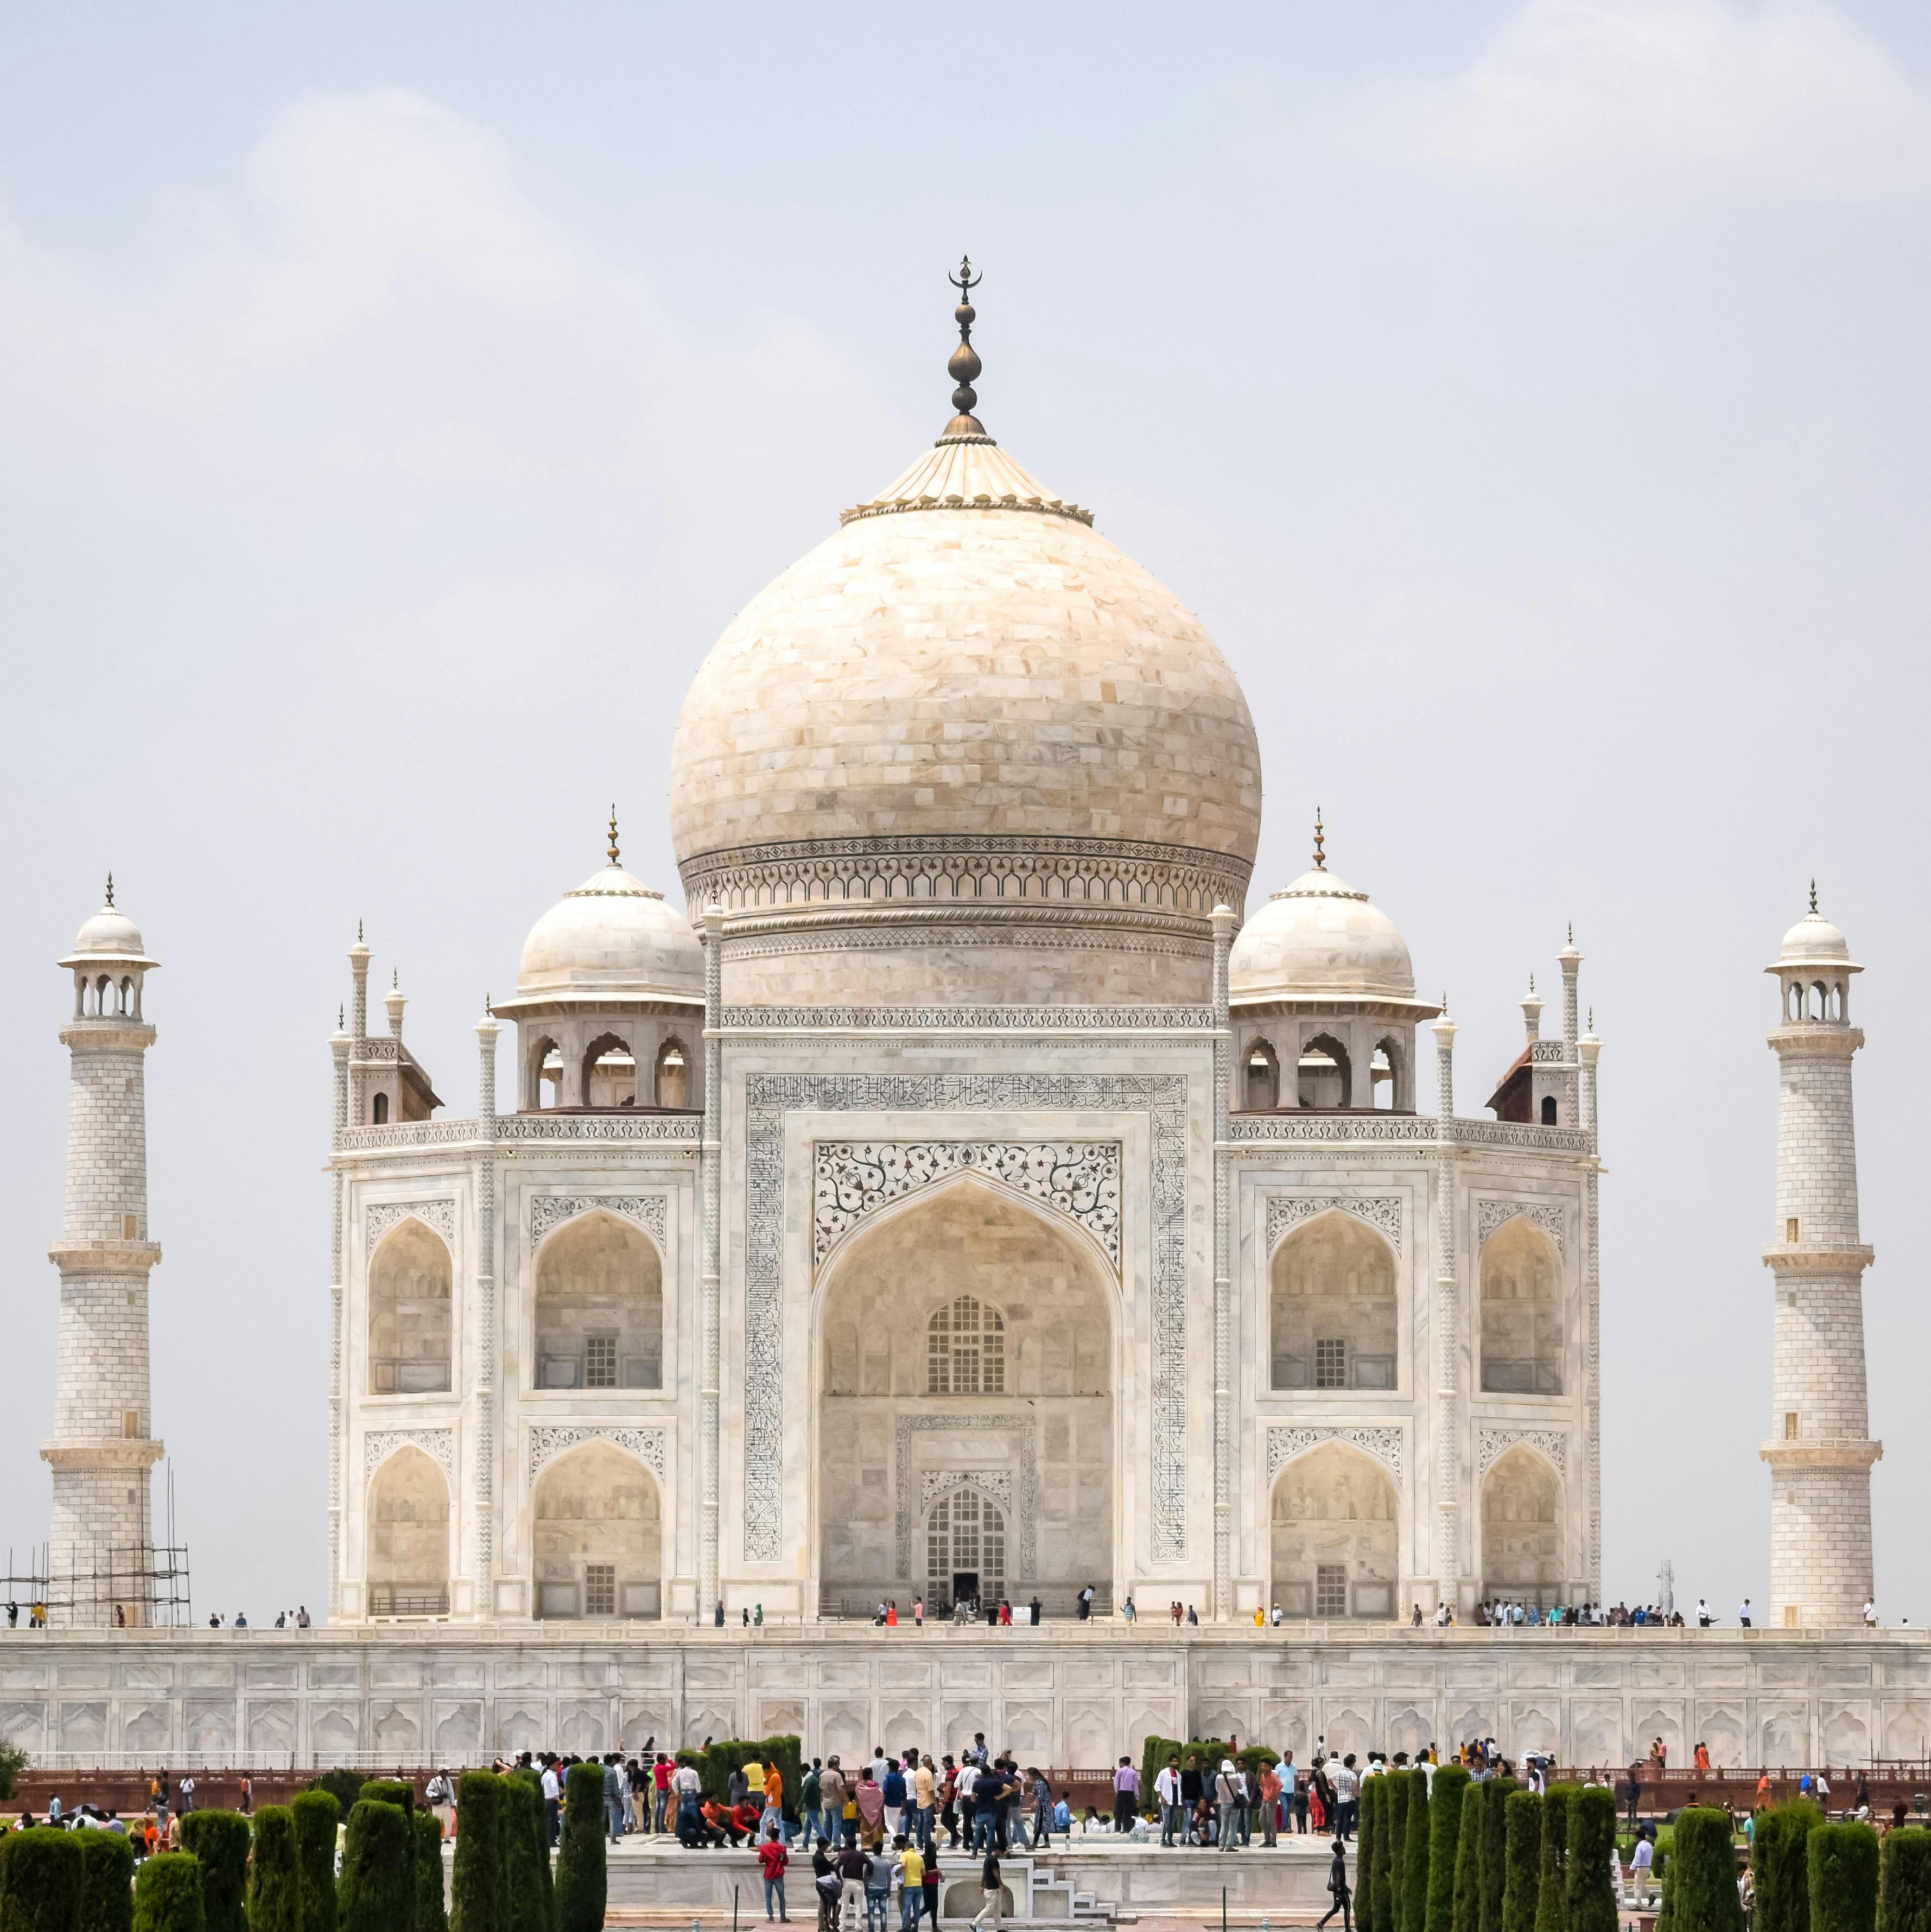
[741, 1822]
[772, 1857]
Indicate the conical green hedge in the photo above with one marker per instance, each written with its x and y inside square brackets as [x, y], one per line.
[527, 1902]
[107, 1894]
[1778, 1870]
[1400, 1783]
[1552, 1905]
[315, 1813]
[581, 1874]
[45, 1880]
[377, 1890]
[476, 1885]
[1842, 1864]
[1364, 1861]
[1444, 1837]
[430, 1914]
[1419, 1837]
[1382, 1877]
[167, 1894]
[1904, 1881]
[1493, 1848]
[274, 1883]
[1703, 1873]
[1590, 1893]
[1522, 1859]
[219, 1841]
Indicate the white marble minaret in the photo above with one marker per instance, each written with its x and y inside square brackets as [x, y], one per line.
[1820, 1453]
[102, 1448]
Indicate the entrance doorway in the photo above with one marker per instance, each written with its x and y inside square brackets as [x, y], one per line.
[965, 1586]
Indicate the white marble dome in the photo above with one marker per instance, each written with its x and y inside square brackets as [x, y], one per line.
[109, 934]
[1320, 939]
[1814, 941]
[966, 715]
[613, 938]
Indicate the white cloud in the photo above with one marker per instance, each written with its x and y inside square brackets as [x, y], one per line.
[1599, 101]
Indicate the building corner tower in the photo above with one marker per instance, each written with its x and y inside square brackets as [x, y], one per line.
[101, 1549]
[1819, 1453]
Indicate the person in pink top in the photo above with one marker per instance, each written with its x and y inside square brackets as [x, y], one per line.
[1270, 1800]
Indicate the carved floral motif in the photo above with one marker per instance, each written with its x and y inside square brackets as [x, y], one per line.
[1491, 1215]
[549, 1210]
[1386, 1445]
[1496, 1443]
[437, 1444]
[548, 1440]
[384, 1215]
[1382, 1212]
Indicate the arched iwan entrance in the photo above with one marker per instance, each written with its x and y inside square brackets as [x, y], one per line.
[1332, 1312]
[1335, 1535]
[965, 1348]
[408, 1312]
[1521, 1540]
[599, 1306]
[598, 1537]
[409, 1538]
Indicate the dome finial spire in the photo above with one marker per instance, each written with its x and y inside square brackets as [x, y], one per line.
[1320, 859]
[613, 832]
[964, 367]
[1813, 894]
[110, 892]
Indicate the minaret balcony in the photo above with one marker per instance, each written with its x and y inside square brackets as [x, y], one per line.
[1819, 1257]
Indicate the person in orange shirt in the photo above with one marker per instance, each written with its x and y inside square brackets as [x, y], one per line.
[1702, 1757]
[773, 1819]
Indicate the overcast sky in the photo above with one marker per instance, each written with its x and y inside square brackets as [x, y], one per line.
[395, 403]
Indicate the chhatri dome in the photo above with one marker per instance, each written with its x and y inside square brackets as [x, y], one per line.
[965, 742]
[613, 938]
[1321, 939]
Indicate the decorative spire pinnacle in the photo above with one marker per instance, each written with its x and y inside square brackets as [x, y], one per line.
[964, 367]
[613, 832]
[110, 892]
[1444, 1003]
[1531, 982]
[395, 979]
[489, 1009]
[1572, 932]
[1813, 893]
[341, 1017]
[1320, 861]
[358, 932]
[1592, 1020]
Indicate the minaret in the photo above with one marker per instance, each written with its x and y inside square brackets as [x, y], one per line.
[1820, 1453]
[101, 1556]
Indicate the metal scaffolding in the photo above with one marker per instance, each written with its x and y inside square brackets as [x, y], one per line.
[98, 1586]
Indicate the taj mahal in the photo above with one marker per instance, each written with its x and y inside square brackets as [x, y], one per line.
[984, 1187]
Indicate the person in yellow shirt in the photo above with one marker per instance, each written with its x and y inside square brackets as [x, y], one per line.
[911, 1864]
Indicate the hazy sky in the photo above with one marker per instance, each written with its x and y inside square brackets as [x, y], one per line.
[396, 402]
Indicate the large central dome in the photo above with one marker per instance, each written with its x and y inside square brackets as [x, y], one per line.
[965, 752]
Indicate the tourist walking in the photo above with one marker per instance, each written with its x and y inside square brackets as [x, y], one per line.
[988, 1880]
[1337, 1884]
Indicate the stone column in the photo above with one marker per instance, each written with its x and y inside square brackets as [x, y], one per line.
[339, 1044]
[709, 1375]
[101, 1552]
[1589, 1049]
[1820, 1452]
[359, 1030]
[1224, 923]
[484, 1564]
[1448, 1318]
[1570, 961]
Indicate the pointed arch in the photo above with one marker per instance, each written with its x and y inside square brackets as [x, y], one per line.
[1334, 1535]
[1334, 1318]
[408, 1521]
[1522, 1324]
[411, 1281]
[965, 1546]
[597, 1535]
[671, 1076]
[609, 1072]
[599, 1308]
[1521, 1539]
[1326, 1073]
[1260, 1084]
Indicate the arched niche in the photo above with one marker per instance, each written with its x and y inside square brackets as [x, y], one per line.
[1521, 1539]
[966, 1546]
[673, 1074]
[892, 1432]
[1335, 1535]
[1262, 1085]
[597, 1537]
[1326, 1073]
[599, 1306]
[1333, 1313]
[609, 1072]
[409, 1308]
[1521, 1311]
[409, 1538]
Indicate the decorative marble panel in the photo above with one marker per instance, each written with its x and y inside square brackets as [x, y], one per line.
[548, 1440]
[1079, 1179]
[1382, 1212]
[437, 1444]
[1491, 1215]
[1019, 1425]
[1496, 1443]
[384, 1215]
[997, 1484]
[1285, 1442]
[769, 1097]
[551, 1210]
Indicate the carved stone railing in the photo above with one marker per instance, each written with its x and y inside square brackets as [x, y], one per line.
[1000, 1019]
[1414, 1129]
[678, 1129]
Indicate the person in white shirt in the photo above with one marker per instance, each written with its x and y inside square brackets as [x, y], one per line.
[1702, 1614]
[1870, 1614]
[1167, 1789]
[1743, 1613]
[553, 1802]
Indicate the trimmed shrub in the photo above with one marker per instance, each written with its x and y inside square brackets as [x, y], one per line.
[343, 1785]
[1382, 1876]
[476, 1886]
[1444, 1834]
[167, 1894]
[274, 1884]
[1589, 1893]
[400, 1792]
[429, 1914]
[1415, 1854]
[1496, 1792]
[219, 1841]
[1398, 1785]
[1551, 1904]
[378, 1886]
[1701, 1874]
[1842, 1864]
[1153, 1756]
[1778, 1867]
[45, 1881]
[527, 1901]
[12, 1761]
[315, 1813]
[1904, 1881]
[107, 1884]
[1364, 1859]
[1521, 1861]
[1468, 1862]
[580, 1875]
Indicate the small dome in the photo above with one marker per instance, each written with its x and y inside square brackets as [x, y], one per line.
[613, 938]
[1814, 941]
[110, 934]
[1320, 939]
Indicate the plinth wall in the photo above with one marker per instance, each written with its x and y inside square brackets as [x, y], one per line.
[1063, 1694]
